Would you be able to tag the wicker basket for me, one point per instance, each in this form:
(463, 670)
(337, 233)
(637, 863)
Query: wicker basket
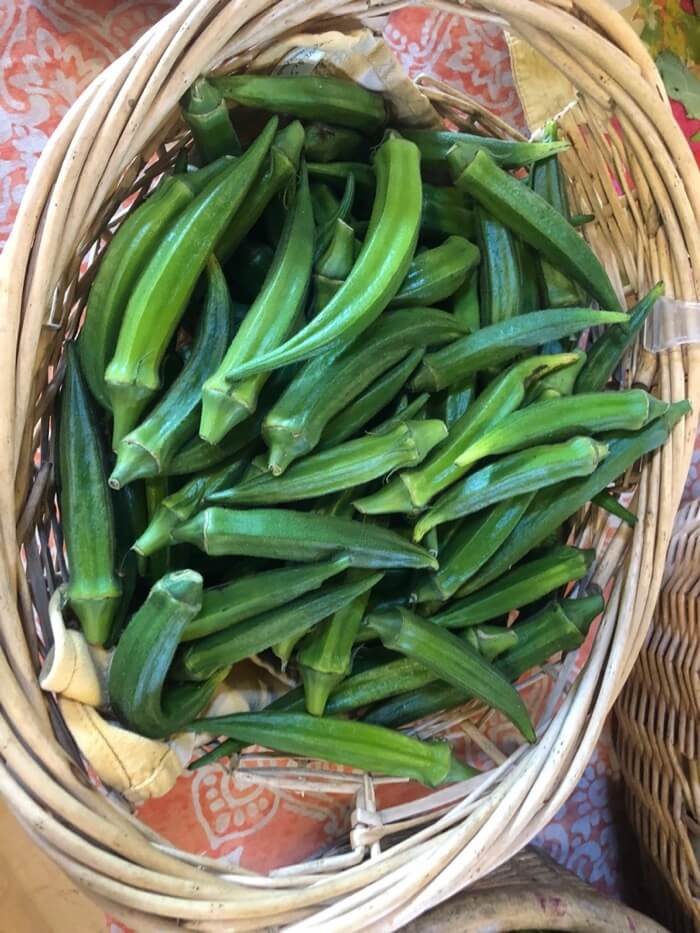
(657, 736)
(93, 161)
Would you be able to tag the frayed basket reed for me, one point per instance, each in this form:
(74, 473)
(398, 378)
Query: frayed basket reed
(111, 144)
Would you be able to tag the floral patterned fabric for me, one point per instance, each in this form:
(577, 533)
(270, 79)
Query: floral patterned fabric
(50, 51)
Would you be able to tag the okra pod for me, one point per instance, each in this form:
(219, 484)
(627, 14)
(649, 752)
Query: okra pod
(295, 423)
(553, 506)
(604, 500)
(355, 744)
(343, 467)
(142, 658)
(499, 343)
(561, 381)
(436, 273)
(378, 683)
(380, 267)
(413, 490)
(536, 222)
(444, 213)
(563, 417)
(491, 641)
(166, 283)
(130, 519)
(501, 272)
(324, 142)
(606, 352)
(335, 265)
(248, 596)
(327, 228)
(202, 658)
(453, 660)
(149, 448)
(307, 97)
(434, 146)
(282, 534)
(86, 509)
(525, 471)
(206, 114)
(336, 173)
(466, 308)
(519, 587)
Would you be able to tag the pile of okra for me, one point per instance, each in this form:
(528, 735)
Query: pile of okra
(329, 402)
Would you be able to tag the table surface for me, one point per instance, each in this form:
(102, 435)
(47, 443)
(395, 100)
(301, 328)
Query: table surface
(49, 52)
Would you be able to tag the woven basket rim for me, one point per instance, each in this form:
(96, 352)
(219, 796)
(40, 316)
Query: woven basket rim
(96, 151)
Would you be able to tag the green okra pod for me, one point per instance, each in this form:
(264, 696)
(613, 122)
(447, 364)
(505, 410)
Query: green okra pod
(606, 352)
(282, 534)
(519, 587)
(413, 490)
(604, 500)
(561, 381)
(86, 509)
(163, 290)
(248, 596)
(521, 472)
(380, 268)
(355, 744)
(378, 683)
(444, 213)
(325, 657)
(267, 323)
(324, 142)
(563, 417)
(501, 272)
(142, 658)
(536, 222)
(491, 641)
(335, 264)
(529, 286)
(149, 448)
(470, 546)
(130, 519)
(202, 658)
(206, 114)
(343, 467)
(336, 173)
(327, 228)
(404, 411)
(434, 146)
(453, 660)
(436, 273)
(551, 507)
(156, 488)
(499, 343)
(307, 97)
(295, 423)
(466, 308)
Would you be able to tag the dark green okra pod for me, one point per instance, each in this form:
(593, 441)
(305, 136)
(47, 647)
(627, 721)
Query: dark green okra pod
(466, 308)
(202, 658)
(206, 114)
(282, 534)
(142, 659)
(355, 744)
(453, 660)
(436, 273)
(149, 448)
(378, 683)
(166, 283)
(307, 97)
(444, 213)
(604, 500)
(501, 273)
(86, 509)
(434, 146)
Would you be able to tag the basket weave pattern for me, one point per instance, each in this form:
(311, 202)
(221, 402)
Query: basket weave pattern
(646, 231)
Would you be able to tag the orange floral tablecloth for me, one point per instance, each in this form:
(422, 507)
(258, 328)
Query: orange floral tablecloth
(49, 51)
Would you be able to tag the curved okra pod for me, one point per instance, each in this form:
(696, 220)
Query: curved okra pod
(563, 417)
(325, 657)
(357, 414)
(166, 283)
(335, 264)
(149, 448)
(267, 323)
(525, 471)
(324, 142)
(444, 213)
(344, 467)
(176, 508)
(470, 546)
(553, 506)
(501, 272)
(307, 97)
(607, 351)
(499, 343)
(380, 268)
(518, 587)
(451, 659)
(434, 146)
(536, 222)
(327, 228)
(86, 509)
(202, 658)
(562, 381)
(294, 424)
(278, 171)
(414, 490)
(336, 173)
(142, 658)
(378, 683)
(206, 114)
(436, 273)
(605, 500)
(355, 744)
(282, 534)
(245, 597)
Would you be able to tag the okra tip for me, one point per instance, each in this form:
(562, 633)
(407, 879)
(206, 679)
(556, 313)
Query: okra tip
(96, 616)
(219, 414)
(318, 686)
(133, 462)
(394, 497)
(459, 771)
